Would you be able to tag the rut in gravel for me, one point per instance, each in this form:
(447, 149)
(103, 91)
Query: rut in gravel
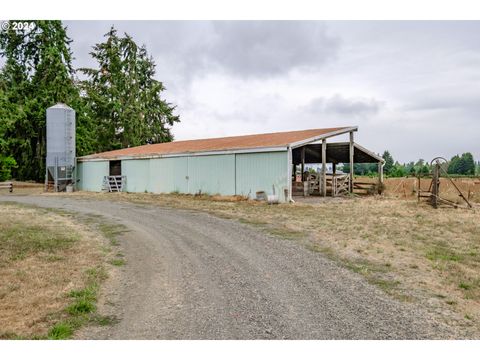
(191, 275)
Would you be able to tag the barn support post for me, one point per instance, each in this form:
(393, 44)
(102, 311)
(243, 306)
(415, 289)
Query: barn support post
(304, 180)
(380, 172)
(303, 162)
(324, 167)
(334, 179)
(380, 177)
(350, 185)
(289, 175)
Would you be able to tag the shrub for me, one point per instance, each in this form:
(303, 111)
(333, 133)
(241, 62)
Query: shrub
(7, 163)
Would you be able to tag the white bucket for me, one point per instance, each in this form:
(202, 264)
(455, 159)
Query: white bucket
(272, 199)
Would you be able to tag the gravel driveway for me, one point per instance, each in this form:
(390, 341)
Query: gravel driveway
(190, 275)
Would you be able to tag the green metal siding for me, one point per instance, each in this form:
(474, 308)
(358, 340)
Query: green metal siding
(168, 175)
(91, 175)
(241, 174)
(262, 172)
(137, 174)
(212, 174)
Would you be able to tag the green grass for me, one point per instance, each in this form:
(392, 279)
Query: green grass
(105, 320)
(84, 300)
(82, 306)
(111, 231)
(252, 221)
(439, 252)
(385, 284)
(83, 309)
(60, 331)
(117, 262)
(20, 240)
(464, 286)
(285, 233)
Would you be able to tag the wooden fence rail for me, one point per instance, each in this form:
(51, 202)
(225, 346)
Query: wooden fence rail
(6, 185)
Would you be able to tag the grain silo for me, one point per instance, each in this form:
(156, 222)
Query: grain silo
(60, 166)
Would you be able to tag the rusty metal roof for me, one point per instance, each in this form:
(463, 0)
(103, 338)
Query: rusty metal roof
(232, 143)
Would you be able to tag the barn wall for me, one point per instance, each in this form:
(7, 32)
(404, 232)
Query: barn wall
(90, 175)
(261, 172)
(232, 174)
(138, 175)
(168, 175)
(212, 174)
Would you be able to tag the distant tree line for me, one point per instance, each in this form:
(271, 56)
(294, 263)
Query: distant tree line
(458, 165)
(118, 103)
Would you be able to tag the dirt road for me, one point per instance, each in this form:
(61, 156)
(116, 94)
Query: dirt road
(194, 276)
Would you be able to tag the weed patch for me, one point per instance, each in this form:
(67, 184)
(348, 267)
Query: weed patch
(118, 262)
(60, 331)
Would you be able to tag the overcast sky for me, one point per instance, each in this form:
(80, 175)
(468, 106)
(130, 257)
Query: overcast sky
(411, 87)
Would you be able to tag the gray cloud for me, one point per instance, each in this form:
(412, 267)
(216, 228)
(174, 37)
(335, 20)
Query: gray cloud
(187, 49)
(263, 48)
(337, 104)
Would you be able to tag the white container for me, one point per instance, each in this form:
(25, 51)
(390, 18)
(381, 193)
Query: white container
(272, 199)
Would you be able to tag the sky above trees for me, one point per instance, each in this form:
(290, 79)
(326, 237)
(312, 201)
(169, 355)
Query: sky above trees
(411, 87)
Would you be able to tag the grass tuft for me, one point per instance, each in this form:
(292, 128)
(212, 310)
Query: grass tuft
(117, 262)
(60, 331)
(82, 306)
(464, 286)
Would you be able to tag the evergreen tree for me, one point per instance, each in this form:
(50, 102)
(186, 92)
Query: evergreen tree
(453, 165)
(123, 96)
(462, 165)
(468, 164)
(7, 162)
(37, 74)
(389, 162)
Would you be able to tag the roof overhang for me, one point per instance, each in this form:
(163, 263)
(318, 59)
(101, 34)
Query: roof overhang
(336, 153)
(323, 136)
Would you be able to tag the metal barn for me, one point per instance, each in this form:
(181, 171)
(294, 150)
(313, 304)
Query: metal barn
(271, 164)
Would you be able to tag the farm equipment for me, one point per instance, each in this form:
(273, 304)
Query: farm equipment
(433, 192)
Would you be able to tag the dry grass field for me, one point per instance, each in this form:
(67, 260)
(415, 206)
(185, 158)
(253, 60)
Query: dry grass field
(408, 249)
(51, 268)
(406, 188)
(411, 251)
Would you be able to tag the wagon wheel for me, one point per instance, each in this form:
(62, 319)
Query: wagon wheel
(442, 162)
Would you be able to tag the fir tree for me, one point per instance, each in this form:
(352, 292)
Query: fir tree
(124, 97)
